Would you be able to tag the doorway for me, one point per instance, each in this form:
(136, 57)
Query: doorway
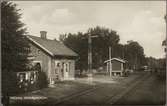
(66, 69)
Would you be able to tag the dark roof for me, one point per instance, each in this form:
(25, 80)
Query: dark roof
(53, 47)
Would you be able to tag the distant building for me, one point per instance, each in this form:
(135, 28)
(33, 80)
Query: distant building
(54, 58)
(117, 66)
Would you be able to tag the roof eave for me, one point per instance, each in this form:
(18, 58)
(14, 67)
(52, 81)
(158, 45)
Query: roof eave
(115, 59)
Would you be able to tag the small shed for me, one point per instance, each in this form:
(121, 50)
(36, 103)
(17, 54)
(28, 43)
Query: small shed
(117, 66)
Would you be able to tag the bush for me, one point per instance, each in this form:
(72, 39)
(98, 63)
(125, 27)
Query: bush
(42, 80)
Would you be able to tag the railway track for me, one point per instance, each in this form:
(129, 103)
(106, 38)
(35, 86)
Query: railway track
(107, 99)
(83, 92)
(116, 97)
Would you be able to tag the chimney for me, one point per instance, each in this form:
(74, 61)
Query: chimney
(43, 34)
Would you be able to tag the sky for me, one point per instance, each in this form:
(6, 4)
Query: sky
(141, 21)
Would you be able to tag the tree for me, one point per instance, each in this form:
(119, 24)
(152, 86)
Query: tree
(164, 41)
(15, 47)
(164, 45)
(135, 54)
(105, 38)
(79, 43)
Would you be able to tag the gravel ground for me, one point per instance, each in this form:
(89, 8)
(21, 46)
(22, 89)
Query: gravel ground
(105, 91)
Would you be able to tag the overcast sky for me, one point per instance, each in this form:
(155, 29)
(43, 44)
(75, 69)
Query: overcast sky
(141, 21)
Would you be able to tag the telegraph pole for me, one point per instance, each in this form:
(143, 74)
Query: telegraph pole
(89, 53)
(110, 67)
(90, 73)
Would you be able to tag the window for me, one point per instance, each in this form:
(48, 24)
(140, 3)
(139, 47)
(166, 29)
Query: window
(37, 66)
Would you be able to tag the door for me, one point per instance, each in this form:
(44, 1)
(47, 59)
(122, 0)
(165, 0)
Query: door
(66, 70)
